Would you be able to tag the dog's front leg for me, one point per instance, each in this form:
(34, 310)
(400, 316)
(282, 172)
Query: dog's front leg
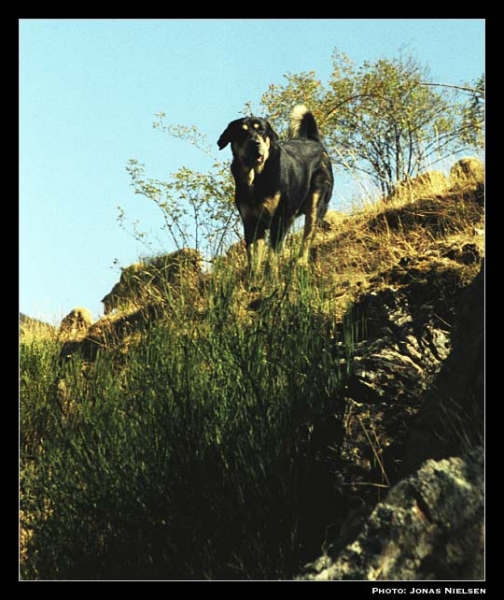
(255, 233)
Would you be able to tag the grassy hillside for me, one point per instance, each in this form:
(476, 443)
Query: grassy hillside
(34, 327)
(174, 439)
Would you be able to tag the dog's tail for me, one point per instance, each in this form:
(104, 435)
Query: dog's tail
(302, 124)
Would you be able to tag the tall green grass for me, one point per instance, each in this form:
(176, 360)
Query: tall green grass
(187, 459)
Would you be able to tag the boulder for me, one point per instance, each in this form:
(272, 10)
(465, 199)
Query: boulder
(429, 527)
(147, 282)
(76, 323)
(467, 170)
(414, 423)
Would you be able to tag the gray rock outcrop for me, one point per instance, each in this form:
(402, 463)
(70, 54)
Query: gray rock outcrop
(429, 527)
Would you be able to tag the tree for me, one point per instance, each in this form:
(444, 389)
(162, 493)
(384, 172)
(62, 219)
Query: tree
(474, 114)
(382, 119)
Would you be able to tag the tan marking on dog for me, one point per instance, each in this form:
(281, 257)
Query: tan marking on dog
(250, 177)
(268, 205)
(265, 148)
(241, 152)
(247, 175)
(256, 125)
(245, 127)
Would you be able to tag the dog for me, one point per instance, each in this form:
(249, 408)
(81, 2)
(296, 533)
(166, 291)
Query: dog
(275, 181)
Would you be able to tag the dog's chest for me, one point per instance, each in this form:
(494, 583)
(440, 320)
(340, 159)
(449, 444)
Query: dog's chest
(256, 196)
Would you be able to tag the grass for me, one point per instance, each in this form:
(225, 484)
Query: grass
(186, 458)
(180, 449)
(360, 249)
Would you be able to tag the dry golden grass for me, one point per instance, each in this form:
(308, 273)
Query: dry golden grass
(428, 183)
(433, 223)
(352, 256)
(32, 329)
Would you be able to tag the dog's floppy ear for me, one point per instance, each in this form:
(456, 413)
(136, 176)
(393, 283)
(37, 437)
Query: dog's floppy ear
(229, 133)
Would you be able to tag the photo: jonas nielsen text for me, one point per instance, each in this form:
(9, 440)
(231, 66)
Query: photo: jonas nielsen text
(446, 591)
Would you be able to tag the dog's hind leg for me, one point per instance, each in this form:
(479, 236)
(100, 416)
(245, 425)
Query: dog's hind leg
(310, 225)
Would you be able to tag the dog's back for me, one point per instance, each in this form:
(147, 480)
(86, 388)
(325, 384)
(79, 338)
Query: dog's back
(305, 141)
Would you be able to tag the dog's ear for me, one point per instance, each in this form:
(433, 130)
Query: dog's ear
(272, 134)
(229, 134)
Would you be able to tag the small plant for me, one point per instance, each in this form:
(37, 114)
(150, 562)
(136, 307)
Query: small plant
(197, 208)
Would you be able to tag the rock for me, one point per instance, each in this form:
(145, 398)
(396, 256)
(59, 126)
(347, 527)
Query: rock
(429, 527)
(401, 332)
(75, 324)
(424, 185)
(451, 418)
(467, 170)
(398, 415)
(405, 331)
(147, 282)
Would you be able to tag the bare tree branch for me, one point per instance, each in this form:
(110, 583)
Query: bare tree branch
(456, 87)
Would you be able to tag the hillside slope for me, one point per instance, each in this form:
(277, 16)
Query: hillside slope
(403, 283)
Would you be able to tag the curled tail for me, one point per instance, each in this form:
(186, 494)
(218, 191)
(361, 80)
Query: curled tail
(302, 124)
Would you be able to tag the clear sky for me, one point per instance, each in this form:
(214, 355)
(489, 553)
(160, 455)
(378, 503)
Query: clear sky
(89, 92)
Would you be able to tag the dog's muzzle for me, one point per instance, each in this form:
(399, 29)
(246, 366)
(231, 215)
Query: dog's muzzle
(255, 153)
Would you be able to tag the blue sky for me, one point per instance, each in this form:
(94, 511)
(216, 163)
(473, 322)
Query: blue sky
(90, 89)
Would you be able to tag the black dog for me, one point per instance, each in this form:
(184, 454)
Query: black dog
(277, 181)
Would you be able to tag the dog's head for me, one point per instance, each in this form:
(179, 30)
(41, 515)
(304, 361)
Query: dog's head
(252, 140)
